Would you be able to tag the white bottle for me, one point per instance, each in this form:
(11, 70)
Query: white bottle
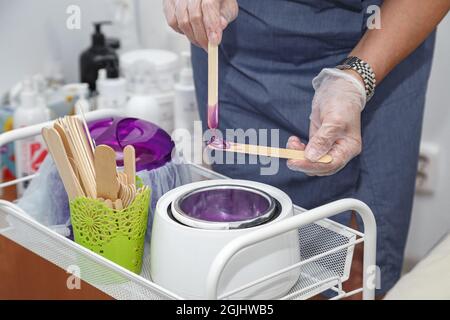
(112, 91)
(186, 111)
(143, 106)
(185, 107)
(126, 25)
(30, 152)
(83, 94)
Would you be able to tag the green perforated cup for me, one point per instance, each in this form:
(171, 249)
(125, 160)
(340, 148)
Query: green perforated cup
(117, 235)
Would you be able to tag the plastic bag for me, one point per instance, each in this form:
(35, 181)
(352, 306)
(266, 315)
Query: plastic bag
(162, 180)
(46, 200)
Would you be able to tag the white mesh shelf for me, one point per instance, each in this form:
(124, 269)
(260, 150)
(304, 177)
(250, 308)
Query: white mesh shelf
(316, 276)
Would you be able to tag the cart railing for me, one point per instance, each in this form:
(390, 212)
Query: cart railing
(23, 217)
(34, 130)
(295, 222)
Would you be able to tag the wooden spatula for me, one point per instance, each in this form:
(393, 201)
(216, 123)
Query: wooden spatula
(129, 162)
(213, 86)
(109, 204)
(125, 194)
(56, 147)
(118, 204)
(105, 173)
(270, 152)
(84, 138)
(63, 135)
(82, 160)
(80, 108)
(122, 177)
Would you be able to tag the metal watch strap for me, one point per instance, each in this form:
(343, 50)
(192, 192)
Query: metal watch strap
(364, 70)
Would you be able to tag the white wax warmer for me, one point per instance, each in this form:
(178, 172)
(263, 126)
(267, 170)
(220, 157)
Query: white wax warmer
(194, 222)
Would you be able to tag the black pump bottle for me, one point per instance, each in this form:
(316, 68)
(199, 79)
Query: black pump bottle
(98, 56)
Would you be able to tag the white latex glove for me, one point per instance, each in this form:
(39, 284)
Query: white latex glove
(335, 127)
(201, 20)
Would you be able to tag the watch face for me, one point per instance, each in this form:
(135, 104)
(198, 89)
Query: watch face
(354, 63)
(343, 67)
(352, 60)
(344, 62)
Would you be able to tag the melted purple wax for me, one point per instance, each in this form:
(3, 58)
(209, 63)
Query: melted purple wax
(217, 142)
(224, 205)
(213, 116)
(213, 123)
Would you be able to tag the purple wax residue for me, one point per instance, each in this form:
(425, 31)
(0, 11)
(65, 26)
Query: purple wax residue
(225, 205)
(213, 116)
(213, 123)
(217, 142)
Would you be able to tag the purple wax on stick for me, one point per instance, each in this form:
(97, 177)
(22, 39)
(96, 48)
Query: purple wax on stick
(213, 116)
(213, 123)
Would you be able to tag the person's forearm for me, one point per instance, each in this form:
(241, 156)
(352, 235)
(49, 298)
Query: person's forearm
(405, 24)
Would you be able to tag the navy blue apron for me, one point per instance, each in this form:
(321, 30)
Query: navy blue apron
(268, 59)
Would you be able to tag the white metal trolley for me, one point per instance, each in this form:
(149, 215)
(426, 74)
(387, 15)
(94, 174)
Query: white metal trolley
(326, 247)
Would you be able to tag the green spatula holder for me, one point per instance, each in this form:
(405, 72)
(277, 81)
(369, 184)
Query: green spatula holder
(117, 235)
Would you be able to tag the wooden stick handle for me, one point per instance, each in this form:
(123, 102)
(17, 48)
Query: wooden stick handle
(273, 152)
(57, 150)
(129, 163)
(213, 75)
(105, 173)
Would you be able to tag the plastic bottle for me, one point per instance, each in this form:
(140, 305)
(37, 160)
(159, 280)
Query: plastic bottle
(30, 152)
(143, 106)
(154, 71)
(125, 24)
(96, 57)
(185, 107)
(112, 89)
(185, 111)
(83, 95)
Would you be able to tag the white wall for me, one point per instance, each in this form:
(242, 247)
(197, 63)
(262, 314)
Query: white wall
(154, 30)
(431, 214)
(34, 35)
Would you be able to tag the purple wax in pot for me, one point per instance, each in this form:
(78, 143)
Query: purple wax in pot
(225, 205)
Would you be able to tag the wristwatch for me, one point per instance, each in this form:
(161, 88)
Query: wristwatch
(364, 70)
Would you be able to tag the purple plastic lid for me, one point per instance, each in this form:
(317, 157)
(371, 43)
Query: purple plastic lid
(227, 204)
(152, 144)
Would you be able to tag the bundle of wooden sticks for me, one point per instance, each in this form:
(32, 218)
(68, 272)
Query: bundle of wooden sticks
(89, 171)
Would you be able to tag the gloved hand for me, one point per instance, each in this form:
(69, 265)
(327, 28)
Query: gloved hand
(201, 20)
(335, 126)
